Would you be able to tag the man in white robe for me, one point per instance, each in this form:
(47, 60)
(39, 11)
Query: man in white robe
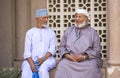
(40, 44)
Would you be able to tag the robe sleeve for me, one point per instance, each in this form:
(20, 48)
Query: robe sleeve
(62, 47)
(28, 46)
(52, 44)
(94, 51)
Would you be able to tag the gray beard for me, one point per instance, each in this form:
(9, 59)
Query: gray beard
(44, 25)
(81, 25)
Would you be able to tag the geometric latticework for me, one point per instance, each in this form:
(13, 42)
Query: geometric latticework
(61, 15)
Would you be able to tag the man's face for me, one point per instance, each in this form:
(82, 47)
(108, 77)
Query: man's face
(80, 18)
(42, 19)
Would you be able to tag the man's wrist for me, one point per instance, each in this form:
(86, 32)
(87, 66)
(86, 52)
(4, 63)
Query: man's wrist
(66, 55)
(84, 57)
(43, 59)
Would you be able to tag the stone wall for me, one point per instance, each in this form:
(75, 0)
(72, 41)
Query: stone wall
(7, 32)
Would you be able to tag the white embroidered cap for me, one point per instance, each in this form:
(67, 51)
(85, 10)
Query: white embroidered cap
(83, 11)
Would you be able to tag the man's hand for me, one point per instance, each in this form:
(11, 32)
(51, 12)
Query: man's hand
(41, 60)
(78, 58)
(34, 69)
(32, 66)
(70, 57)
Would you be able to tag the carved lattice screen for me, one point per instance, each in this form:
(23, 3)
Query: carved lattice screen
(62, 15)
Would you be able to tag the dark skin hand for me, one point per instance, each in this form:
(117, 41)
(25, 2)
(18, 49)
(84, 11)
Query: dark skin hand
(31, 62)
(40, 60)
